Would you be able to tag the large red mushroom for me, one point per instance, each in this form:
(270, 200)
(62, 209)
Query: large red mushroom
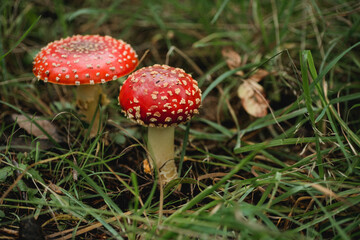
(85, 61)
(160, 97)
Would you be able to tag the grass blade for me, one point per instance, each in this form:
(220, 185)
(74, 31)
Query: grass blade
(21, 38)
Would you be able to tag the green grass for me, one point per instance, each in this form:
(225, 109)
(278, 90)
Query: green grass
(293, 174)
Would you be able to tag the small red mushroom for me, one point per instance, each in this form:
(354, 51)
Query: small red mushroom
(160, 97)
(85, 61)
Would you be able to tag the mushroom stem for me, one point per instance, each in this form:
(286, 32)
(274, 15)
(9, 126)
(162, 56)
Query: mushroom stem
(87, 99)
(161, 148)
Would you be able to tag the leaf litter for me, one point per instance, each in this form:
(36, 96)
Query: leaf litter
(30, 127)
(251, 93)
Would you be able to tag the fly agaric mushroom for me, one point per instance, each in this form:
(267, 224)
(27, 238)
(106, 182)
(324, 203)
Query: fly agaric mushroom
(160, 97)
(85, 61)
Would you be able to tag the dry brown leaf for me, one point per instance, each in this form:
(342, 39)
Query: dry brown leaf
(232, 58)
(252, 94)
(245, 90)
(260, 74)
(31, 128)
(253, 98)
(55, 188)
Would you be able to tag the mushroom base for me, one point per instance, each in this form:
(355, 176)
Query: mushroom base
(161, 149)
(87, 100)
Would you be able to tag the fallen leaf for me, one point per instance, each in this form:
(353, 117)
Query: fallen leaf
(253, 98)
(245, 90)
(232, 58)
(55, 188)
(31, 128)
(252, 94)
(260, 74)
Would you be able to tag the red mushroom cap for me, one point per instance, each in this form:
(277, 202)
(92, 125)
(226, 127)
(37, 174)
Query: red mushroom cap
(86, 59)
(160, 96)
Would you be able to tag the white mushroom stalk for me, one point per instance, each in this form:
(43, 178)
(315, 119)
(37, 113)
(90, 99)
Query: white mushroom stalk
(161, 149)
(88, 98)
